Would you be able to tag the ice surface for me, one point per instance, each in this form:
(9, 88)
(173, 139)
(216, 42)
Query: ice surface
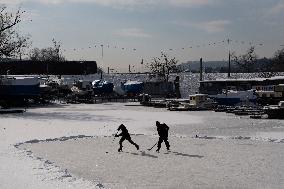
(224, 154)
(192, 163)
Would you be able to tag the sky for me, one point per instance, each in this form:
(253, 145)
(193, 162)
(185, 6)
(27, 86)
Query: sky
(119, 33)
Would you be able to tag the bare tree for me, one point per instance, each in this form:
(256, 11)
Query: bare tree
(163, 65)
(246, 62)
(266, 69)
(272, 66)
(278, 60)
(11, 42)
(48, 54)
(8, 20)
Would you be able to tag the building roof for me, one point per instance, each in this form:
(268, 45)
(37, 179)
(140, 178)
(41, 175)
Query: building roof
(242, 79)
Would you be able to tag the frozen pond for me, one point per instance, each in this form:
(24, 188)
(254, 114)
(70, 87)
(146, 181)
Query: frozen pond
(248, 151)
(226, 125)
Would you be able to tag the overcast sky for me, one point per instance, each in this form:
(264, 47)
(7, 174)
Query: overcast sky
(132, 30)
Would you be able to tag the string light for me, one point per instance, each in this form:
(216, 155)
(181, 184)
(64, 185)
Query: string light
(209, 44)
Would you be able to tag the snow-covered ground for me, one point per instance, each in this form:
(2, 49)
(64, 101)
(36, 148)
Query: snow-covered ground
(71, 146)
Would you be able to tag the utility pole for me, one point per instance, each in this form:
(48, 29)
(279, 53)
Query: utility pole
(102, 51)
(142, 61)
(200, 76)
(229, 66)
(102, 61)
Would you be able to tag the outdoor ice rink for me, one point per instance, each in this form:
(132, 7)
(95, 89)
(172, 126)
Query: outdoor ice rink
(71, 146)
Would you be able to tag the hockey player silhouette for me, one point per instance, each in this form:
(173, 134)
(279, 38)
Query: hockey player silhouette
(163, 131)
(124, 136)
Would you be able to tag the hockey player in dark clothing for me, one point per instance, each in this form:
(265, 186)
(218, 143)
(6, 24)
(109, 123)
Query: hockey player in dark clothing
(163, 130)
(125, 136)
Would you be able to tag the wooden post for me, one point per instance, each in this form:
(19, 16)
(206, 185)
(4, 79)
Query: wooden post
(201, 77)
(229, 66)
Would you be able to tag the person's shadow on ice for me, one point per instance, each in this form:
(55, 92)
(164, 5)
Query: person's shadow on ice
(184, 155)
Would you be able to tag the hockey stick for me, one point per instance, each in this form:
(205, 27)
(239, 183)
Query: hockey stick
(114, 136)
(153, 146)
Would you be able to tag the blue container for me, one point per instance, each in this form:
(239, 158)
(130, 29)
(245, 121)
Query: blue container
(102, 87)
(133, 87)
